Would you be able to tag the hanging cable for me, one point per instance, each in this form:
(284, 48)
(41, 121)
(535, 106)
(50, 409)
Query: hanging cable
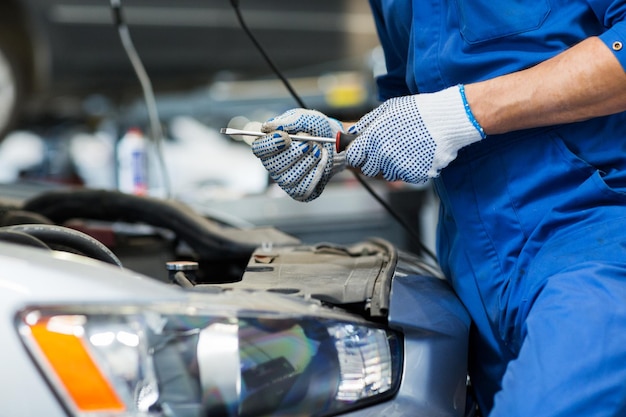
(259, 47)
(148, 91)
(409, 230)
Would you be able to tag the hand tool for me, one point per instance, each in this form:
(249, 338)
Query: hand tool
(341, 141)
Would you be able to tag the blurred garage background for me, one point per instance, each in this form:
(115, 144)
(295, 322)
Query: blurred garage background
(68, 93)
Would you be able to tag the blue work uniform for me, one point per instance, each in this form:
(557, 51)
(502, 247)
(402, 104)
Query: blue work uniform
(532, 226)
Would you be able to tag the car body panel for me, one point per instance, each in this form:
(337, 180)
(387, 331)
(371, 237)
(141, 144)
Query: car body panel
(433, 321)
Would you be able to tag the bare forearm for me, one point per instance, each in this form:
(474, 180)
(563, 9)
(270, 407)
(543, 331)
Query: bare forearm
(584, 82)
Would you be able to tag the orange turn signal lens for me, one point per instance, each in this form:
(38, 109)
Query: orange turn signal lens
(72, 363)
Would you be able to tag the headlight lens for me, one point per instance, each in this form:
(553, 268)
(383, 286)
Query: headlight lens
(160, 361)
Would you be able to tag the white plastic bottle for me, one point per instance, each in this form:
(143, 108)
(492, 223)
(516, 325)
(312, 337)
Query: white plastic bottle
(132, 163)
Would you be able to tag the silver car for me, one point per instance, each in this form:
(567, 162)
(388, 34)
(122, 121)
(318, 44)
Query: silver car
(315, 330)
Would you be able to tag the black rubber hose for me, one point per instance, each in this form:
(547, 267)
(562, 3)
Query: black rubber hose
(201, 234)
(59, 236)
(21, 238)
(10, 216)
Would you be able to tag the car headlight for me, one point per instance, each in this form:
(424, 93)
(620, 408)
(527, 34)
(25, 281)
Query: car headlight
(179, 361)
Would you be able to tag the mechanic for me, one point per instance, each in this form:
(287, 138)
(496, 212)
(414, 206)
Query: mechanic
(516, 109)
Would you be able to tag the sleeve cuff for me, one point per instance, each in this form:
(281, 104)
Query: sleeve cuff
(615, 40)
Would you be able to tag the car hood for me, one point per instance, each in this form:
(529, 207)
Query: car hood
(32, 276)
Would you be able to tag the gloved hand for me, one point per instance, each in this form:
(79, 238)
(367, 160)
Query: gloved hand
(302, 169)
(413, 138)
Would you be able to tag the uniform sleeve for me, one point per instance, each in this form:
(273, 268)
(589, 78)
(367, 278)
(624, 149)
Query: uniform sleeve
(391, 83)
(615, 39)
(612, 13)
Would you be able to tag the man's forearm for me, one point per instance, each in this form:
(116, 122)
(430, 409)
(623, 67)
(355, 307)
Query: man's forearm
(583, 82)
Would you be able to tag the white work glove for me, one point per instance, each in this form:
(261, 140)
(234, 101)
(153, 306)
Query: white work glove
(301, 168)
(413, 138)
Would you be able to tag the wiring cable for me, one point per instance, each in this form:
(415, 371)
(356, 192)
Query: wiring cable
(148, 91)
(408, 229)
(259, 47)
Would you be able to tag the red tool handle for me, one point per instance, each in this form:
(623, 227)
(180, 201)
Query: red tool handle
(343, 140)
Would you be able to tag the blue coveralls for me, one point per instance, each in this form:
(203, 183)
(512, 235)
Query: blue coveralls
(532, 227)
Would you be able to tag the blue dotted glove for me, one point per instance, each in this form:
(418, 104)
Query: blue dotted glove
(302, 169)
(413, 138)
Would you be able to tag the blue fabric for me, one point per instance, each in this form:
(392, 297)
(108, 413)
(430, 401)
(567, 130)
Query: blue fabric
(515, 215)
(430, 45)
(615, 39)
(532, 228)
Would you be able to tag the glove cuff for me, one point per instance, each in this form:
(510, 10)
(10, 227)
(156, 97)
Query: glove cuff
(449, 120)
(468, 112)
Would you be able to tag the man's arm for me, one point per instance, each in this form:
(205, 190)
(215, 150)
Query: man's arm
(583, 82)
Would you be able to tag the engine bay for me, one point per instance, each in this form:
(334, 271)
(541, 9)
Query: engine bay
(171, 242)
